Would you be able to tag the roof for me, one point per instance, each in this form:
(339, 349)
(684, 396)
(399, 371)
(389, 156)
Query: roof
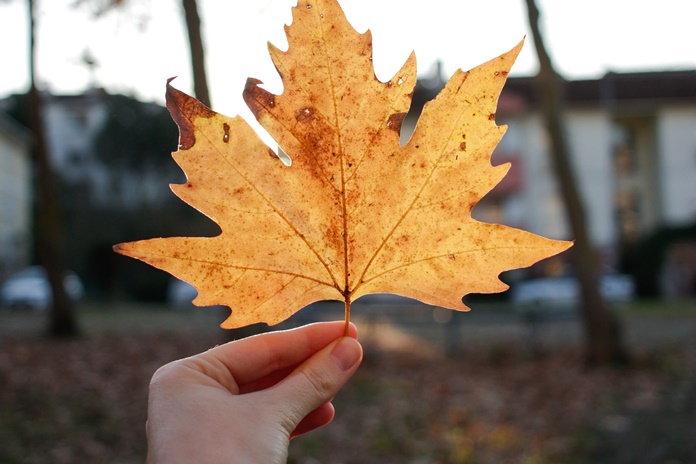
(647, 88)
(618, 90)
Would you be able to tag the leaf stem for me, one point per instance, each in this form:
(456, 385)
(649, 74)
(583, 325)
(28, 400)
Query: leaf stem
(345, 330)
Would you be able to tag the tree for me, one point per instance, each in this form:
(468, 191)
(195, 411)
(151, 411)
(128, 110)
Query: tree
(193, 26)
(48, 228)
(603, 340)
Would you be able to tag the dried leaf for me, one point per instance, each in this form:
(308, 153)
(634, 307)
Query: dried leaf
(356, 213)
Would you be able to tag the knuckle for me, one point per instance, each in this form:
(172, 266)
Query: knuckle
(165, 375)
(318, 381)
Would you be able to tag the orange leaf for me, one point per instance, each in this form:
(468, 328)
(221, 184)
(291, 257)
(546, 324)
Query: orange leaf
(356, 213)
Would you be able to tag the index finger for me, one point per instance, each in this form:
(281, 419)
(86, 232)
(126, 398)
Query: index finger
(256, 357)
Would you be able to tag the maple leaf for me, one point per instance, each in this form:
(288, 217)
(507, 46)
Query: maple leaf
(355, 213)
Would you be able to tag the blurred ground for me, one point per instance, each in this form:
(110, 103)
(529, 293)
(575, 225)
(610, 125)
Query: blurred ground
(483, 388)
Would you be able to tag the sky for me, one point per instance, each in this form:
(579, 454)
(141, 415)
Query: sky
(139, 48)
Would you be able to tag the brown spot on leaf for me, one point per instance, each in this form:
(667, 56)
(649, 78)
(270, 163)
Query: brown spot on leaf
(306, 114)
(256, 98)
(334, 235)
(491, 117)
(462, 146)
(184, 110)
(395, 121)
(226, 136)
(451, 256)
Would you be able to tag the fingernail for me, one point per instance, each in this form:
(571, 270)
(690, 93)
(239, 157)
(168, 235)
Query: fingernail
(346, 353)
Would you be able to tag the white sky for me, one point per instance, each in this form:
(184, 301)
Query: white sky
(139, 48)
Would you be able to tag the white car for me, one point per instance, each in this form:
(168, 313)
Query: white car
(30, 289)
(616, 288)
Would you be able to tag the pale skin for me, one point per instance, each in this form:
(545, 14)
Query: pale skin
(244, 401)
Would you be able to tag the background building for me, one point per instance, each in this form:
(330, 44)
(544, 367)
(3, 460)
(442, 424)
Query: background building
(15, 196)
(632, 141)
(111, 154)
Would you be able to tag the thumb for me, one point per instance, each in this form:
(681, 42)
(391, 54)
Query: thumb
(316, 381)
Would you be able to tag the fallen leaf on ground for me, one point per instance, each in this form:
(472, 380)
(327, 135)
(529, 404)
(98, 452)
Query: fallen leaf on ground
(356, 212)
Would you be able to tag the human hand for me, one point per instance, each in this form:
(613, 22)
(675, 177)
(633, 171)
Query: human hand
(242, 402)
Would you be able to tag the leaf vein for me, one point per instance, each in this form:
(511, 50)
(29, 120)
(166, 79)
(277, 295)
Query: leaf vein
(448, 255)
(277, 211)
(411, 205)
(246, 268)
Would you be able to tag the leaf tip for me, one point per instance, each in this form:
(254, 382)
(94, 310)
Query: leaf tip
(184, 109)
(257, 99)
(557, 247)
(124, 249)
(515, 51)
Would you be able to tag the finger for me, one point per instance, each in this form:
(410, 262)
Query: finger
(274, 377)
(314, 382)
(256, 357)
(315, 419)
(267, 381)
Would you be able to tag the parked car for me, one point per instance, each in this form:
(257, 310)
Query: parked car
(30, 289)
(565, 291)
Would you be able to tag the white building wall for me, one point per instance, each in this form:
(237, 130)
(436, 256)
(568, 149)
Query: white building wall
(71, 125)
(540, 202)
(538, 206)
(540, 198)
(590, 142)
(676, 148)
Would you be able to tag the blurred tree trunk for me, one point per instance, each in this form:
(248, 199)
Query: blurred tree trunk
(193, 26)
(49, 232)
(603, 338)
